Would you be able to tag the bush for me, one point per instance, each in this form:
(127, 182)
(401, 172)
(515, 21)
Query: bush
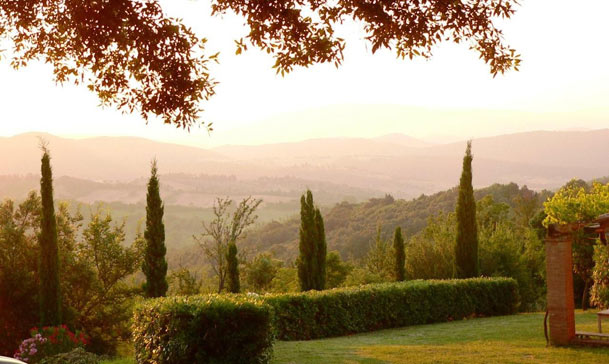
(600, 289)
(76, 356)
(49, 341)
(203, 329)
(318, 314)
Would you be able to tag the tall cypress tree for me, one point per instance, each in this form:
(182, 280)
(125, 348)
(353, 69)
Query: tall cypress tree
(466, 247)
(400, 256)
(154, 265)
(312, 246)
(320, 241)
(306, 244)
(50, 294)
(233, 268)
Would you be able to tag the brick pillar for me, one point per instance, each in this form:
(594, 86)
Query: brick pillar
(559, 275)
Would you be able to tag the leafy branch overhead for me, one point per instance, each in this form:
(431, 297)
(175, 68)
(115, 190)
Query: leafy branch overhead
(136, 58)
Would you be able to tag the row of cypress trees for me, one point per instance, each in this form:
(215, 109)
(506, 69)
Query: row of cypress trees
(154, 265)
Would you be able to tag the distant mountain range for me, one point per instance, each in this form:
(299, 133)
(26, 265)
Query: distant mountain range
(116, 168)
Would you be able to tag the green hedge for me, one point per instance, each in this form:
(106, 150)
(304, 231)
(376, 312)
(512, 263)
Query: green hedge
(318, 314)
(240, 328)
(203, 329)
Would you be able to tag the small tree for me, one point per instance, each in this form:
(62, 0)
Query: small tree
(155, 265)
(50, 293)
(19, 264)
(399, 254)
(223, 229)
(466, 247)
(102, 297)
(380, 258)
(261, 271)
(233, 268)
(183, 282)
(312, 246)
(431, 252)
(336, 270)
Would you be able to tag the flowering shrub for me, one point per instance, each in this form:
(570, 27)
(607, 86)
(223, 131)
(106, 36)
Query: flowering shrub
(48, 341)
(29, 350)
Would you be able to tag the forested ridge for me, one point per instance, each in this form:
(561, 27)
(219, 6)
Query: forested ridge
(351, 227)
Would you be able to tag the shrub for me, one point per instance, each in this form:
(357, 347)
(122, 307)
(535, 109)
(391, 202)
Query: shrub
(310, 315)
(49, 341)
(203, 329)
(600, 289)
(76, 356)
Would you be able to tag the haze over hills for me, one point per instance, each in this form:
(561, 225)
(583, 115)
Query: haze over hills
(324, 149)
(432, 123)
(116, 168)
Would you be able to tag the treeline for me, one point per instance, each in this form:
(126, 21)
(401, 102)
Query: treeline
(350, 227)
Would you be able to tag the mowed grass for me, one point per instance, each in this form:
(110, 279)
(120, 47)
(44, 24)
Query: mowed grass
(505, 339)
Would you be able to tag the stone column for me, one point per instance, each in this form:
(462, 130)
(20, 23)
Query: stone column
(559, 275)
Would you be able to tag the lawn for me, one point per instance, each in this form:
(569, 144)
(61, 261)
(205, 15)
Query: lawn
(506, 339)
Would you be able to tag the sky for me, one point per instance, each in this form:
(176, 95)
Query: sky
(563, 84)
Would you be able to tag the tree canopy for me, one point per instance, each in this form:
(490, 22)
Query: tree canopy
(136, 58)
(577, 203)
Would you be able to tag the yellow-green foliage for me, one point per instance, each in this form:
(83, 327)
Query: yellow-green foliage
(575, 203)
(309, 315)
(203, 329)
(600, 289)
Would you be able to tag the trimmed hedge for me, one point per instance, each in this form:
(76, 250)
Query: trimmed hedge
(203, 329)
(337, 312)
(241, 328)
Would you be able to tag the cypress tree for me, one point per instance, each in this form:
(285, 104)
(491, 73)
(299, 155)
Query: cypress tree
(306, 247)
(154, 265)
(466, 247)
(233, 268)
(400, 257)
(312, 246)
(50, 294)
(320, 241)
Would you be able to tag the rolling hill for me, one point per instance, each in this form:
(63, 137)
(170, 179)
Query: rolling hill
(347, 167)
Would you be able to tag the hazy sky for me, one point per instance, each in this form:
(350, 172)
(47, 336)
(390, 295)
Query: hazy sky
(563, 83)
